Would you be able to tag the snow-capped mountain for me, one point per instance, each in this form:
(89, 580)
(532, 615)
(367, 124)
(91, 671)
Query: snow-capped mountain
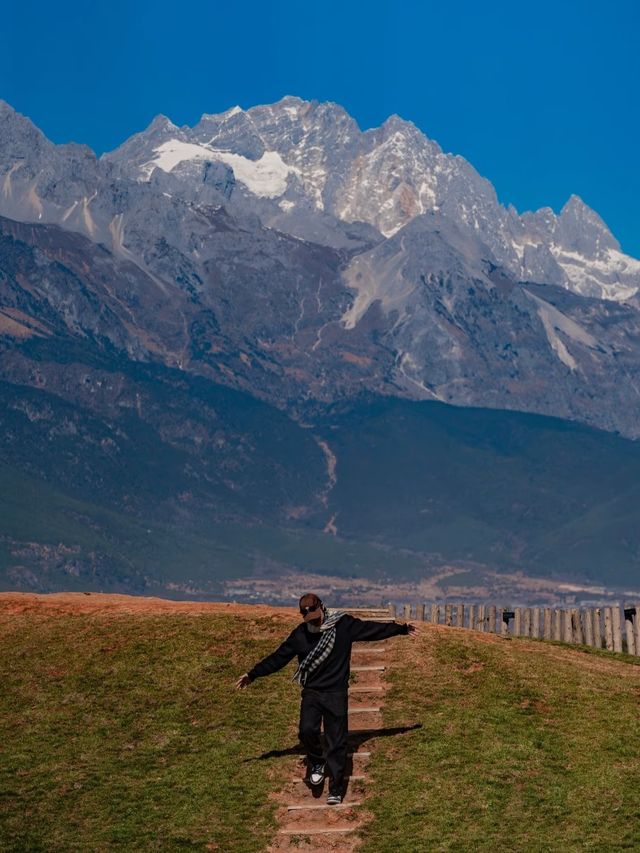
(303, 155)
(283, 251)
(295, 161)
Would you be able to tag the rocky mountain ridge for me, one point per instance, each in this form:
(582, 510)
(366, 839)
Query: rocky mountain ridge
(282, 251)
(304, 154)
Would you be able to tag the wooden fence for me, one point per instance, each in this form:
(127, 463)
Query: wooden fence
(615, 627)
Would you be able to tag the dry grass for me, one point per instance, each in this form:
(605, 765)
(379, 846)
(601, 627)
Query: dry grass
(119, 729)
(123, 730)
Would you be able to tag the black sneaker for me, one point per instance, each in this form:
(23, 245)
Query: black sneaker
(334, 798)
(316, 774)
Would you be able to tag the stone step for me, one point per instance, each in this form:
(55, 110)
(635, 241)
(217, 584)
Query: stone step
(357, 703)
(365, 710)
(370, 678)
(314, 830)
(365, 722)
(320, 817)
(373, 688)
(379, 668)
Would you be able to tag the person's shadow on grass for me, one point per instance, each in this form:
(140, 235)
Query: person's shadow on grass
(356, 740)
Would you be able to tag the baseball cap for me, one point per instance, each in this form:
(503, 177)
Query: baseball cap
(310, 607)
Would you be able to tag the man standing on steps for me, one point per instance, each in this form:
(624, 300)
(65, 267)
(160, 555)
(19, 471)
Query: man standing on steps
(323, 643)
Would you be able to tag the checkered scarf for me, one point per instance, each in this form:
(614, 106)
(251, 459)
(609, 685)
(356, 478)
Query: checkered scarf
(322, 649)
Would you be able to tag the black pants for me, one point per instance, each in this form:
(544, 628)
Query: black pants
(332, 709)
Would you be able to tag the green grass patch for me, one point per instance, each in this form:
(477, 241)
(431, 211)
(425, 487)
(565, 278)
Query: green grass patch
(125, 732)
(519, 750)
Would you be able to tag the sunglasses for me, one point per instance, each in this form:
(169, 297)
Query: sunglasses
(307, 610)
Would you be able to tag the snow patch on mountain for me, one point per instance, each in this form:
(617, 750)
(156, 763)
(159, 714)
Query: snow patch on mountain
(601, 277)
(266, 177)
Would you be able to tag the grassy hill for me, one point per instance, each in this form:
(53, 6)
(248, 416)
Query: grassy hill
(120, 730)
(123, 731)
(525, 745)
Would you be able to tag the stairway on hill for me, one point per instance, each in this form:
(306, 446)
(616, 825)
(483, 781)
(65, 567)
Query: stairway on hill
(305, 821)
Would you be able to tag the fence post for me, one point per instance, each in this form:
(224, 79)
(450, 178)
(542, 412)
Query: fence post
(447, 614)
(568, 629)
(557, 624)
(527, 622)
(406, 612)
(392, 610)
(587, 622)
(629, 613)
(547, 623)
(535, 623)
(517, 622)
(481, 617)
(504, 622)
(435, 614)
(420, 612)
(578, 636)
(617, 628)
(492, 619)
(460, 621)
(472, 616)
(608, 629)
(636, 620)
(597, 628)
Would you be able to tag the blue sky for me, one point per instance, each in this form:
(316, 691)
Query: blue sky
(541, 98)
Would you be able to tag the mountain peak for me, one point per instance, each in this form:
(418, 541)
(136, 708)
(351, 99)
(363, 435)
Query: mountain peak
(574, 203)
(161, 122)
(18, 130)
(396, 122)
(10, 113)
(326, 109)
(291, 101)
(583, 230)
(412, 137)
(217, 117)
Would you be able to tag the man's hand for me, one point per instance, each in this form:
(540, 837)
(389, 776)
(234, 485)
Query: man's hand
(243, 681)
(411, 629)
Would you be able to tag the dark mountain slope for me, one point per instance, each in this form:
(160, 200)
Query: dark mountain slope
(502, 488)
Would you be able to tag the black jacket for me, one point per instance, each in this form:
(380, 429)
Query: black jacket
(333, 674)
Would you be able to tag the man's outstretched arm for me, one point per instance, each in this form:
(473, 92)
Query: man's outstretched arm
(363, 631)
(272, 663)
